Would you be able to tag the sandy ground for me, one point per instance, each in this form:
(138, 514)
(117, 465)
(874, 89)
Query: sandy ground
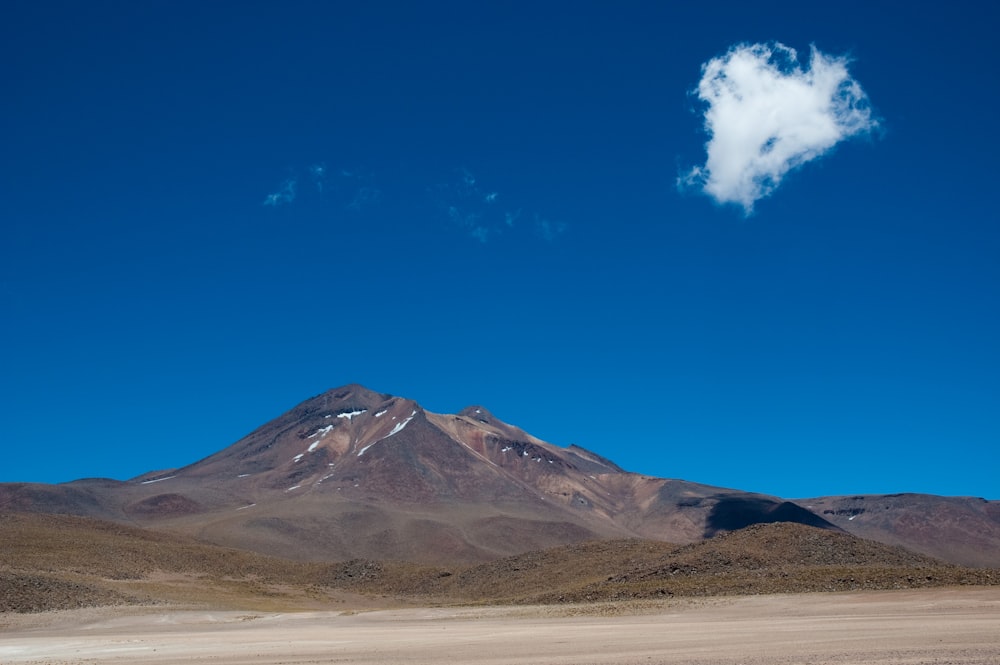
(907, 627)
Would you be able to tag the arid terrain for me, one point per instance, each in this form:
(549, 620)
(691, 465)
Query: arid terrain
(359, 528)
(944, 625)
(51, 562)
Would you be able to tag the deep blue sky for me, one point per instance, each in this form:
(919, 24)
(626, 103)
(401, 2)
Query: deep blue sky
(841, 339)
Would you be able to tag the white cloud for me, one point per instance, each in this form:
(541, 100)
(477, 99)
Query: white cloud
(766, 115)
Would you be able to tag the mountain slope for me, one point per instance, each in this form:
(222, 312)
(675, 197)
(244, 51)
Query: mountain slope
(963, 530)
(64, 562)
(355, 473)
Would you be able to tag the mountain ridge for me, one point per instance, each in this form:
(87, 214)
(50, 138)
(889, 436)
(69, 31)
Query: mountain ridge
(354, 473)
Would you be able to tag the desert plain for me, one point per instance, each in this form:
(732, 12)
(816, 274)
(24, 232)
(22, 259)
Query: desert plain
(940, 625)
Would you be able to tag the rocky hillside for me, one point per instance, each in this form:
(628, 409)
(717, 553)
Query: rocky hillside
(63, 562)
(352, 473)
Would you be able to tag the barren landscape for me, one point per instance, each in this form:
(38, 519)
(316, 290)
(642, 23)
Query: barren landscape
(356, 474)
(358, 528)
(945, 625)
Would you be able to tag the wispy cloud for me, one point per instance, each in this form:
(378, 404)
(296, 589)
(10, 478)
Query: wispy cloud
(364, 197)
(347, 189)
(471, 221)
(286, 194)
(318, 174)
(767, 115)
(484, 213)
(471, 207)
(549, 229)
(479, 211)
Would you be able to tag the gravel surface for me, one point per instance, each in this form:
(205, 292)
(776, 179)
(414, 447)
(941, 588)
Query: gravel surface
(948, 625)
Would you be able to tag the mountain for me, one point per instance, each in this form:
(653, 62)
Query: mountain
(353, 473)
(963, 530)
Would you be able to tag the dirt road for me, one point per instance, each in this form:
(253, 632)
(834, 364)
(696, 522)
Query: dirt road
(906, 627)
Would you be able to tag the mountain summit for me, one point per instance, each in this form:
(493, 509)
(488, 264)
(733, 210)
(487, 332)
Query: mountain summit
(355, 473)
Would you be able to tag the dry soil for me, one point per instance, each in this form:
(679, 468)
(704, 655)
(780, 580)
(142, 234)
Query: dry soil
(944, 625)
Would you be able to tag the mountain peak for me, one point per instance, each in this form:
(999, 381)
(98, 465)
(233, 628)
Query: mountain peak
(354, 392)
(479, 413)
(345, 399)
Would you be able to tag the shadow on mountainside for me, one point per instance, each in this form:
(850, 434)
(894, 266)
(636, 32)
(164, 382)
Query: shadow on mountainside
(733, 513)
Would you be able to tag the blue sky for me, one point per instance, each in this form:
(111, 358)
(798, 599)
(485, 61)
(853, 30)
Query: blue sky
(210, 212)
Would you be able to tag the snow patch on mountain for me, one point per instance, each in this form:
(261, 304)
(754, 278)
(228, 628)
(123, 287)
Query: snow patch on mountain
(321, 432)
(395, 430)
(399, 426)
(157, 480)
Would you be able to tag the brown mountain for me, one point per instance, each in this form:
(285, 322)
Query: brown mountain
(963, 530)
(353, 473)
